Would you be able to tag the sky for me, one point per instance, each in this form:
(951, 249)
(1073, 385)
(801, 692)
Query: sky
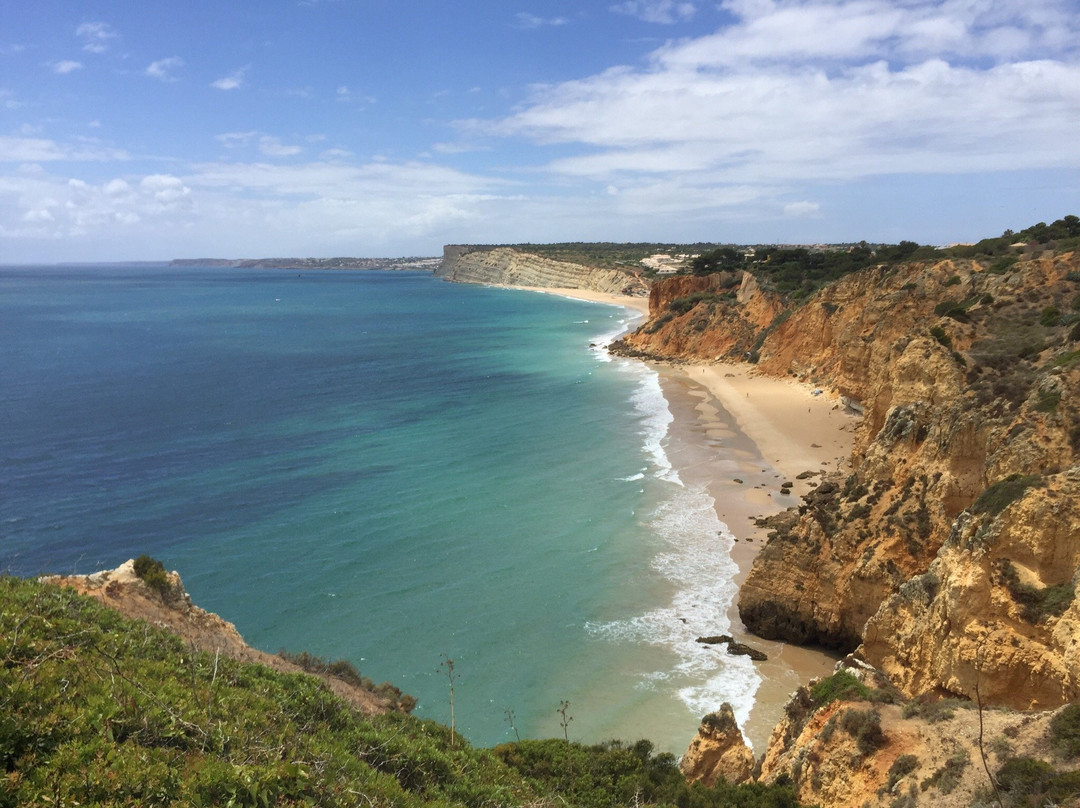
(257, 128)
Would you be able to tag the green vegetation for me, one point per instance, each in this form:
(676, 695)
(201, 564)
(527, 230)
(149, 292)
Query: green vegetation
(845, 686)
(1048, 401)
(841, 686)
(99, 710)
(1003, 493)
(902, 766)
(948, 776)
(347, 672)
(681, 305)
(614, 774)
(1065, 731)
(865, 727)
(1037, 604)
(933, 710)
(938, 333)
(152, 572)
(1031, 782)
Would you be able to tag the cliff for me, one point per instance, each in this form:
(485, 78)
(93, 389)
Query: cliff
(948, 559)
(506, 266)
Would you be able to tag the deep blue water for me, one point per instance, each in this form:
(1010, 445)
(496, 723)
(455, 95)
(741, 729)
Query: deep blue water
(376, 466)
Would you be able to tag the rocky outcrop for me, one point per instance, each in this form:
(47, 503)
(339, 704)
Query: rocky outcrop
(850, 740)
(711, 316)
(951, 407)
(718, 751)
(170, 607)
(994, 616)
(507, 266)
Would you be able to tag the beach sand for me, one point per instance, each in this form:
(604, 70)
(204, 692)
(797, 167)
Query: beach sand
(742, 435)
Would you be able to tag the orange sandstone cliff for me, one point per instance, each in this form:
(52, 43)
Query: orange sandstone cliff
(947, 560)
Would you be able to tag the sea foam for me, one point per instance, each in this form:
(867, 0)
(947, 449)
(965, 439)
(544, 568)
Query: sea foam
(694, 558)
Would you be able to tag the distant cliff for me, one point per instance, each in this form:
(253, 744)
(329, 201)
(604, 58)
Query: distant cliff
(507, 266)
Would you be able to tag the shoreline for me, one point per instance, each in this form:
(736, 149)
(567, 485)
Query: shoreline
(751, 434)
(771, 430)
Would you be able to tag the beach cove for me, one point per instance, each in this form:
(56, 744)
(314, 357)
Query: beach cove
(743, 435)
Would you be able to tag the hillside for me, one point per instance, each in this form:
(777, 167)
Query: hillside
(98, 709)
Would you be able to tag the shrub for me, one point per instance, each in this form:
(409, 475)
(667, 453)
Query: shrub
(950, 308)
(953, 281)
(865, 727)
(1065, 731)
(938, 333)
(841, 686)
(1050, 316)
(1036, 604)
(1048, 401)
(902, 766)
(948, 776)
(152, 573)
(1003, 493)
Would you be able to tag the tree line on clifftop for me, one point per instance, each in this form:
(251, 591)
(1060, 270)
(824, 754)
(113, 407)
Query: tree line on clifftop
(800, 271)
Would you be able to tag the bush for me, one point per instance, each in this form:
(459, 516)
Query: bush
(953, 309)
(948, 776)
(1003, 493)
(1065, 731)
(1050, 317)
(902, 766)
(865, 727)
(152, 573)
(938, 333)
(841, 686)
(1048, 401)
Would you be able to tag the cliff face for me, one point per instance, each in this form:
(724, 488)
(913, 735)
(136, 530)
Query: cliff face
(966, 377)
(509, 267)
(711, 316)
(862, 746)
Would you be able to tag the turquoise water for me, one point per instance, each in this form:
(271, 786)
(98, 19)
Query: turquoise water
(377, 466)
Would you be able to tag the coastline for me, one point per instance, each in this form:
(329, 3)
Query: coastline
(742, 435)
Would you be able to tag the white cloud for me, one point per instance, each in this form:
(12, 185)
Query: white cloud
(273, 147)
(233, 81)
(96, 36)
(32, 150)
(802, 210)
(658, 11)
(524, 19)
(162, 69)
(232, 140)
(798, 90)
(65, 67)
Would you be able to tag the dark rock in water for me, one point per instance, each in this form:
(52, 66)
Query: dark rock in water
(715, 640)
(736, 648)
(740, 649)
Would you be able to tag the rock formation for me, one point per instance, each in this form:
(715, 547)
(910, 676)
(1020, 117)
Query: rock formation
(509, 267)
(718, 751)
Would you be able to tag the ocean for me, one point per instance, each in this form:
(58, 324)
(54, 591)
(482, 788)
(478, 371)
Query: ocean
(382, 467)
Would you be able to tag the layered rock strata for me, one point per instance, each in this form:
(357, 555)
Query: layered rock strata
(506, 266)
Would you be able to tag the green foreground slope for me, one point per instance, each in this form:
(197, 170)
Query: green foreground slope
(99, 710)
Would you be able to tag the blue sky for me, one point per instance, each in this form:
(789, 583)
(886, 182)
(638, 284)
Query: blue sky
(236, 128)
